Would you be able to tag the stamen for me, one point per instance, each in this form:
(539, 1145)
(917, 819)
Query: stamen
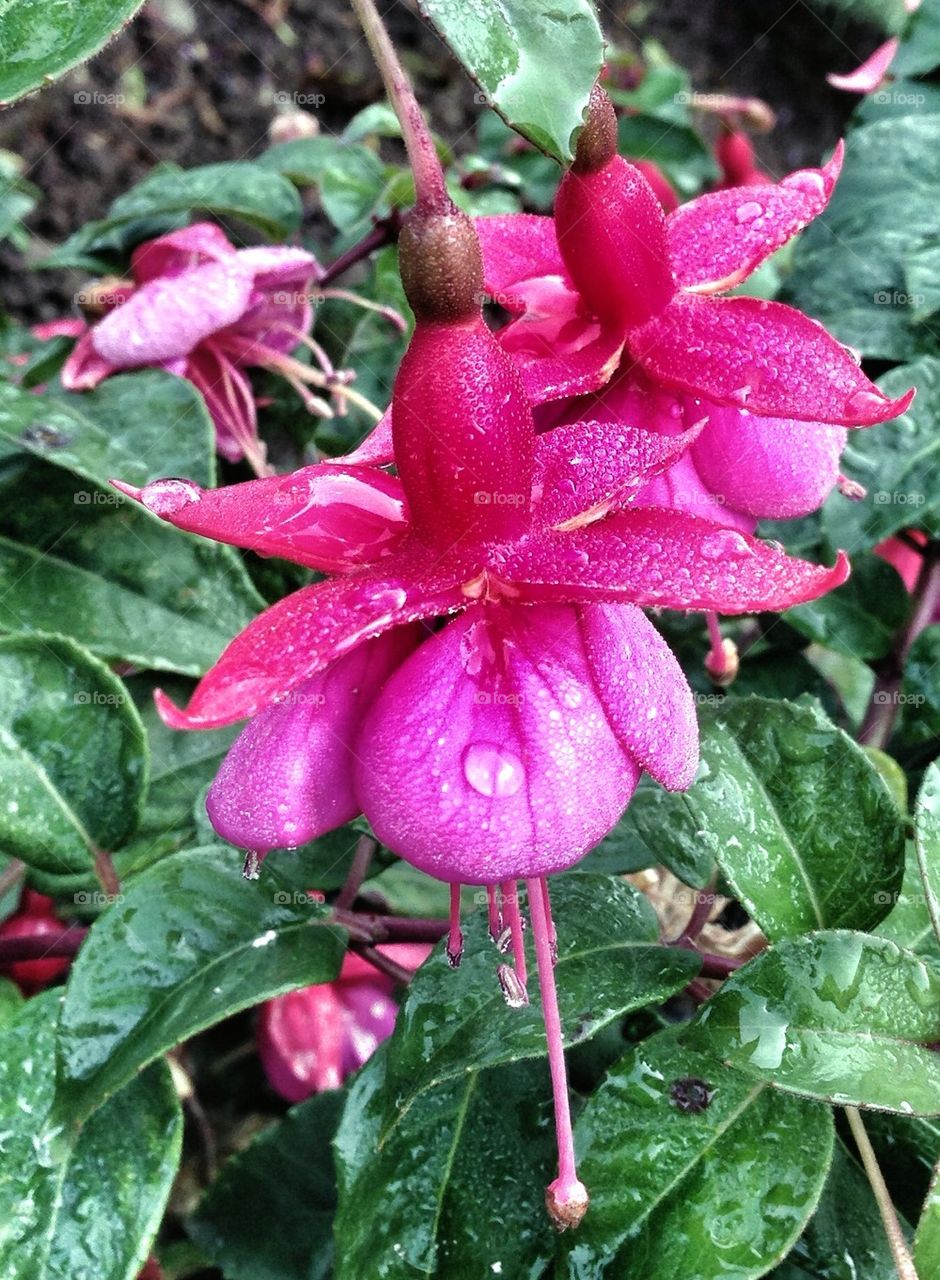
(493, 906)
(514, 917)
(566, 1198)
(344, 295)
(722, 661)
(455, 936)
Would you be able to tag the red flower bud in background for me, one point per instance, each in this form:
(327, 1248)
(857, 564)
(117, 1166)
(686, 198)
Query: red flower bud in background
(34, 918)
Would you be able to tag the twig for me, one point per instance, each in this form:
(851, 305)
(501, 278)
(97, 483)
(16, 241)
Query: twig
(107, 876)
(384, 232)
(370, 929)
(358, 870)
(397, 972)
(903, 1261)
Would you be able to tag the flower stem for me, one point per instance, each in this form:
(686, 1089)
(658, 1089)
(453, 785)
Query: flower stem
(106, 874)
(454, 934)
(903, 1261)
(430, 188)
(566, 1198)
(883, 708)
(384, 232)
(494, 912)
(358, 870)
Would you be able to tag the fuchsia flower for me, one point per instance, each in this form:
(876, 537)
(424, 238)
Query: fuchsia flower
(35, 918)
(734, 153)
(312, 1039)
(617, 321)
(201, 308)
(504, 743)
(870, 74)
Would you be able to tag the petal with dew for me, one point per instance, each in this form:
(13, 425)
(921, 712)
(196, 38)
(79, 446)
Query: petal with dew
(867, 77)
(517, 247)
(488, 755)
(377, 449)
(646, 696)
(306, 631)
(84, 368)
(276, 266)
(327, 517)
(653, 557)
(170, 316)
(717, 240)
(288, 777)
(179, 251)
(763, 356)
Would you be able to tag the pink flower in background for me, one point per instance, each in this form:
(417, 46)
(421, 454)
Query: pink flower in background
(200, 308)
(870, 75)
(734, 152)
(35, 918)
(617, 321)
(312, 1039)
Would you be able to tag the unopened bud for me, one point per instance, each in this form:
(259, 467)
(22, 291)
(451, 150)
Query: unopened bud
(441, 264)
(100, 296)
(597, 141)
(567, 1203)
(722, 667)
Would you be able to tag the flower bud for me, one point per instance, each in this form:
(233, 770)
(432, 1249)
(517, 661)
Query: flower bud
(441, 264)
(597, 141)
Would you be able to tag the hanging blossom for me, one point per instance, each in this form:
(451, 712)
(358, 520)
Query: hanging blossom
(312, 1039)
(504, 743)
(35, 918)
(200, 308)
(617, 320)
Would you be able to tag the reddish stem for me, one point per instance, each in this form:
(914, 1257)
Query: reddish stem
(514, 918)
(454, 934)
(384, 232)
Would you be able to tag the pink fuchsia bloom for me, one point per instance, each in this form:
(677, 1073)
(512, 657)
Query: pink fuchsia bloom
(869, 75)
(615, 301)
(35, 918)
(662, 188)
(508, 742)
(200, 308)
(312, 1039)
(734, 153)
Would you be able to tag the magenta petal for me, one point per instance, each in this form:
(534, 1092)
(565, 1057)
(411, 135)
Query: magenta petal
(649, 557)
(762, 356)
(300, 1039)
(377, 449)
(517, 247)
(85, 368)
(770, 468)
(488, 755)
(717, 240)
(645, 694)
(683, 489)
(277, 266)
(303, 633)
(288, 777)
(327, 517)
(867, 77)
(169, 316)
(587, 467)
(369, 1014)
(229, 399)
(179, 251)
(558, 349)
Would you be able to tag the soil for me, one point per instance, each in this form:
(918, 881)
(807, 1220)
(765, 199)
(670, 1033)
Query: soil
(195, 81)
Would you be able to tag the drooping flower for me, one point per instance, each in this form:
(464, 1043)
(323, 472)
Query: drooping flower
(312, 1039)
(869, 75)
(200, 308)
(734, 153)
(616, 320)
(35, 918)
(508, 742)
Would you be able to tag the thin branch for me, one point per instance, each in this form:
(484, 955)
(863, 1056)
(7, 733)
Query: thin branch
(903, 1261)
(384, 232)
(358, 870)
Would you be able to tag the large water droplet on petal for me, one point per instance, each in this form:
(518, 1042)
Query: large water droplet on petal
(390, 598)
(726, 544)
(492, 770)
(862, 403)
(749, 212)
(477, 651)
(166, 497)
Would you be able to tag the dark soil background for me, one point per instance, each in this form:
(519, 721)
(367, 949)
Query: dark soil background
(202, 80)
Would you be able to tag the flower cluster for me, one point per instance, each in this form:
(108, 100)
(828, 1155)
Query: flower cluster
(475, 672)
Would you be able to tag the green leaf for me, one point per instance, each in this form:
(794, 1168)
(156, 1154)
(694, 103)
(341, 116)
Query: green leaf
(72, 754)
(609, 962)
(123, 584)
(888, 15)
(927, 1239)
(843, 1017)
(846, 1238)
(189, 943)
(851, 266)
(168, 197)
(920, 49)
(41, 41)
(668, 828)
(686, 1193)
(10, 1000)
(927, 842)
(134, 427)
(919, 696)
(909, 923)
(79, 1203)
(675, 147)
(897, 465)
(457, 1191)
(797, 817)
(519, 52)
(351, 179)
(860, 618)
(287, 1178)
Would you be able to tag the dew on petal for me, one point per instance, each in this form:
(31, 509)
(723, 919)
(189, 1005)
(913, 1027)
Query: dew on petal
(166, 497)
(749, 212)
(492, 770)
(726, 544)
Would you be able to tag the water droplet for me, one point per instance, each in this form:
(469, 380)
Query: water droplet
(492, 770)
(476, 649)
(390, 598)
(166, 497)
(749, 212)
(726, 544)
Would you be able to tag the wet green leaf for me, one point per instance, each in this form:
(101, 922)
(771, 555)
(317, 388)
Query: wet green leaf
(134, 427)
(909, 923)
(927, 1239)
(287, 1178)
(457, 1190)
(919, 696)
(800, 822)
(126, 586)
(79, 1204)
(844, 1017)
(188, 943)
(609, 962)
(927, 842)
(519, 52)
(41, 41)
(689, 1192)
(860, 618)
(72, 754)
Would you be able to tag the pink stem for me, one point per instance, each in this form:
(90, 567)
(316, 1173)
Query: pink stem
(552, 935)
(717, 655)
(511, 904)
(566, 1198)
(492, 904)
(454, 936)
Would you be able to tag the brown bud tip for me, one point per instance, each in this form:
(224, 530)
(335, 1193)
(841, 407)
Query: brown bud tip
(597, 141)
(722, 668)
(441, 264)
(566, 1204)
